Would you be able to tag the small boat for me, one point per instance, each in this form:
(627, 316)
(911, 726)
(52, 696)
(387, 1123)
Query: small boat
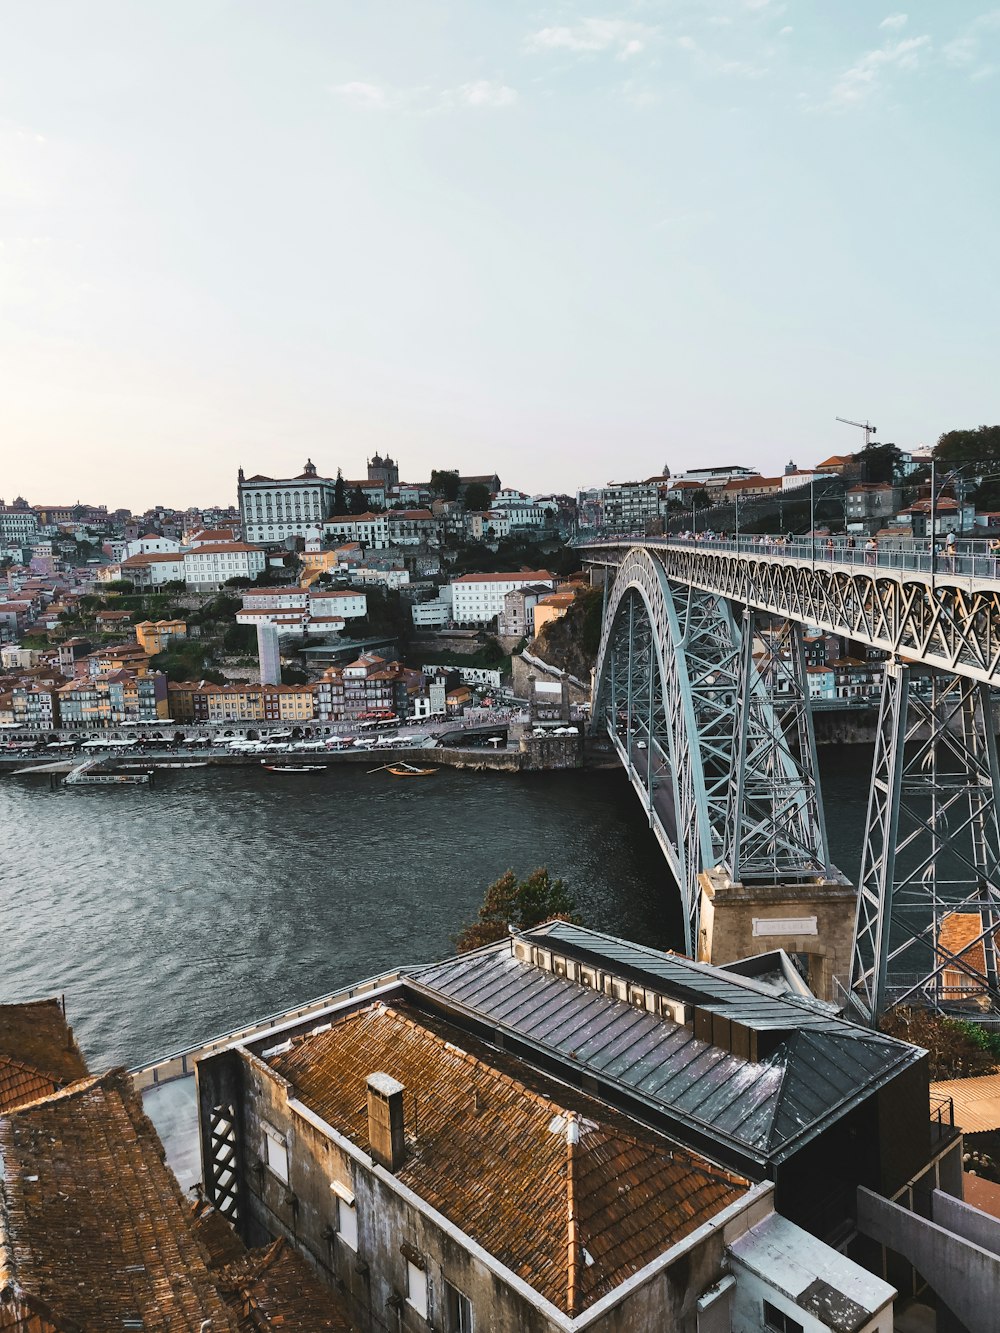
(410, 771)
(201, 763)
(294, 768)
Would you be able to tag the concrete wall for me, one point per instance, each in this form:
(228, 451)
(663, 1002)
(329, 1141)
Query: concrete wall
(963, 1275)
(748, 1307)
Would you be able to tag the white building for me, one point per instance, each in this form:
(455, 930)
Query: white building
(478, 598)
(371, 529)
(486, 526)
(274, 509)
(146, 571)
(344, 602)
(17, 526)
(151, 544)
(388, 578)
(207, 568)
(434, 614)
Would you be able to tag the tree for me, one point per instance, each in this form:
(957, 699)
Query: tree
(877, 463)
(445, 484)
(521, 904)
(477, 497)
(359, 501)
(339, 495)
(969, 446)
(293, 675)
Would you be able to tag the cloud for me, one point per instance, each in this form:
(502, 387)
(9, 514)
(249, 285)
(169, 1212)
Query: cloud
(485, 92)
(784, 32)
(712, 63)
(857, 84)
(893, 22)
(368, 96)
(594, 36)
(965, 50)
(423, 101)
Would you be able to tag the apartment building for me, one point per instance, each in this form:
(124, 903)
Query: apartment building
(109, 700)
(411, 527)
(155, 636)
(35, 706)
(517, 619)
(146, 571)
(478, 598)
(18, 525)
(207, 568)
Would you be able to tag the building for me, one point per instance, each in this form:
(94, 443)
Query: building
(517, 619)
(385, 470)
(268, 653)
(114, 698)
(145, 571)
(368, 529)
(156, 636)
(35, 706)
(207, 568)
(627, 506)
(552, 607)
(749, 488)
(412, 527)
(18, 524)
(435, 612)
(478, 598)
(273, 510)
(563, 1131)
(835, 465)
(876, 500)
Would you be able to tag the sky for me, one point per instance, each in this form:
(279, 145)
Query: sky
(570, 243)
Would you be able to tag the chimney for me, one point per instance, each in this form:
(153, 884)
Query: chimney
(386, 1134)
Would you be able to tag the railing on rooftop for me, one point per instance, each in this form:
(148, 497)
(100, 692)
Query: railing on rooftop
(969, 559)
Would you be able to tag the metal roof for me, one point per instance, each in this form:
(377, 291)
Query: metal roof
(819, 1067)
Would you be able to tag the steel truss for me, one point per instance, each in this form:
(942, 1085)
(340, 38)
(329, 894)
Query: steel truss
(775, 831)
(932, 848)
(674, 672)
(943, 622)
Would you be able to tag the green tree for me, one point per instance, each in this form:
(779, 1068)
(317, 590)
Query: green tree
(518, 903)
(120, 585)
(359, 501)
(293, 675)
(240, 639)
(969, 446)
(445, 484)
(339, 495)
(477, 497)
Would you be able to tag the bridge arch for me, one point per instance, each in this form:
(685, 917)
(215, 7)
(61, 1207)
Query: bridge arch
(666, 688)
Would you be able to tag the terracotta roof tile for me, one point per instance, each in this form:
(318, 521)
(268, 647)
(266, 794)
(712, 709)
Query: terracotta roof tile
(37, 1036)
(273, 1288)
(95, 1232)
(534, 1172)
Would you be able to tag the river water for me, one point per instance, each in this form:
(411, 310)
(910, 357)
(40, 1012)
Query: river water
(225, 894)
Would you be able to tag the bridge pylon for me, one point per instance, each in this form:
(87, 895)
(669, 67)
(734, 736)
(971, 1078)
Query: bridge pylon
(928, 908)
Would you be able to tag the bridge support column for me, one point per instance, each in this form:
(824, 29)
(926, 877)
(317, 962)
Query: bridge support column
(928, 908)
(812, 922)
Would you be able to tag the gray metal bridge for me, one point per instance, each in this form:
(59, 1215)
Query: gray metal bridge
(720, 747)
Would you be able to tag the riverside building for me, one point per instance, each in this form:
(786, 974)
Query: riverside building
(564, 1131)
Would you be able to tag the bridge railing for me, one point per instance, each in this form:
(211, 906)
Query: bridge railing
(969, 559)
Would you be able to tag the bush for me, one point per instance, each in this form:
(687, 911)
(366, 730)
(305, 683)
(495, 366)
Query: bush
(957, 1048)
(521, 904)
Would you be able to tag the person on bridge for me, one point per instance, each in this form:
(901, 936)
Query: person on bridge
(993, 546)
(871, 551)
(829, 548)
(949, 550)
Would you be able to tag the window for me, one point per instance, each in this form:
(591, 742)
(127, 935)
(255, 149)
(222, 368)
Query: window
(779, 1321)
(416, 1288)
(276, 1153)
(347, 1215)
(457, 1310)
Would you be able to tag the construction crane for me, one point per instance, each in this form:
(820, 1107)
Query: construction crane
(861, 425)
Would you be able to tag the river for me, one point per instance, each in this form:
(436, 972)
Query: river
(222, 895)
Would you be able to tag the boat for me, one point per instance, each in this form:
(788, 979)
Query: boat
(294, 768)
(409, 771)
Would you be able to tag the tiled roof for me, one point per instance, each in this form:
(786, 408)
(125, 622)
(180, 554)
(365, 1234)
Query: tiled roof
(516, 575)
(520, 1163)
(95, 1232)
(273, 1288)
(977, 1101)
(36, 1035)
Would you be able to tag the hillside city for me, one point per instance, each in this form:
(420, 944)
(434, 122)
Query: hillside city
(320, 603)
